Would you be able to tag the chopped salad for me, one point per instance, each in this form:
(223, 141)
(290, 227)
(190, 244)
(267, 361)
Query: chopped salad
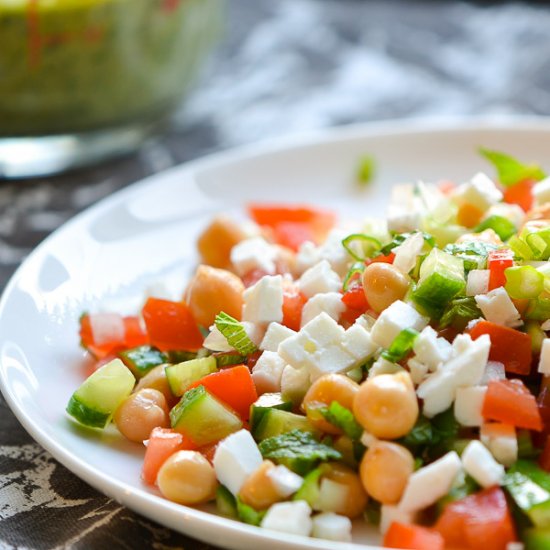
(394, 370)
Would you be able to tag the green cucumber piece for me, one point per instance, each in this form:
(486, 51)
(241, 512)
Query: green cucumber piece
(309, 491)
(226, 359)
(536, 539)
(182, 375)
(142, 359)
(277, 422)
(529, 497)
(203, 418)
(95, 401)
(226, 502)
(264, 403)
(441, 279)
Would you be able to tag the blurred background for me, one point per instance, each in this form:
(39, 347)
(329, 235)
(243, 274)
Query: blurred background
(280, 68)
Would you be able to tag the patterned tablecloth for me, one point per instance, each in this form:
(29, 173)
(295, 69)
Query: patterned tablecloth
(284, 66)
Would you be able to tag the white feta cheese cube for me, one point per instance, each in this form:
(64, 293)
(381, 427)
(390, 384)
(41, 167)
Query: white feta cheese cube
(236, 457)
(480, 190)
(431, 350)
(274, 335)
(285, 481)
(307, 256)
(267, 372)
(393, 320)
(294, 384)
(407, 252)
(541, 191)
(263, 302)
(497, 307)
(333, 251)
(544, 361)
(468, 405)
(383, 366)
(494, 370)
(477, 282)
(419, 371)
(390, 513)
(329, 302)
(324, 330)
(358, 342)
(330, 526)
(289, 517)
(402, 214)
(501, 440)
(331, 359)
(319, 279)
(466, 368)
(254, 253)
(430, 483)
(332, 496)
(479, 463)
(512, 212)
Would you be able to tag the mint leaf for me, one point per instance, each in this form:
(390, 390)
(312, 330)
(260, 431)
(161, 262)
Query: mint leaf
(343, 418)
(297, 450)
(234, 333)
(510, 170)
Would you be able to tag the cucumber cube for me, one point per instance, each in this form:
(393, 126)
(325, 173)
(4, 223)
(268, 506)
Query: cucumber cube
(264, 403)
(277, 422)
(95, 401)
(182, 375)
(142, 359)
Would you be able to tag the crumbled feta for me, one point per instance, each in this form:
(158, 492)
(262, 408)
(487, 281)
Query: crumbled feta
(494, 370)
(477, 282)
(541, 191)
(501, 440)
(263, 302)
(274, 335)
(333, 251)
(358, 342)
(294, 383)
(285, 481)
(498, 308)
(402, 213)
(466, 368)
(393, 320)
(319, 279)
(389, 514)
(307, 256)
(331, 526)
(512, 212)
(468, 405)
(383, 366)
(254, 253)
(419, 371)
(480, 190)
(430, 483)
(236, 457)
(431, 350)
(329, 302)
(479, 463)
(289, 517)
(332, 496)
(544, 362)
(267, 372)
(407, 252)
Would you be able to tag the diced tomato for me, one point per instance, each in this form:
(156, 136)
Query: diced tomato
(544, 458)
(293, 303)
(414, 537)
(293, 234)
(497, 262)
(387, 259)
(162, 444)
(102, 334)
(521, 194)
(320, 221)
(355, 298)
(510, 402)
(251, 277)
(208, 451)
(508, 346)
(234, 387)
(481, 521)
(170, 325)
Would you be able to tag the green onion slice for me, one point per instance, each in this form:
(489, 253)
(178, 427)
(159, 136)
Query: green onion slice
(234, 333)
(361, 247)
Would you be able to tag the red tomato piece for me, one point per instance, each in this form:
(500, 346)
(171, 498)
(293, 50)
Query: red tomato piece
(478, 522)
(170, 325)
(508, 346)
(414, 537)
(355, 298)
(135, 333)
(497, 262)
(387, 259)
(510, 402)
(521, 194)
(234, 387)
(293, 234)
(162, 444)
(544, 458)
(293, 303)
(253, 276)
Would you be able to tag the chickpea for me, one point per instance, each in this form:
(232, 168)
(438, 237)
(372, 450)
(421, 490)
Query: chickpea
(384, 284)
(354, 505)
(187, 478)
(156, 380)
(386, 405)
(385, 470)
(217, 240)
(140, 412)
(213, 290)
(325, 390)
(258, 490)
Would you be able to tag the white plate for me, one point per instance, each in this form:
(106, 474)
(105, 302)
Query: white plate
(140, 235)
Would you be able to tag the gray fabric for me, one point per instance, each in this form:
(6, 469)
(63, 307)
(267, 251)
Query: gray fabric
(284, 66)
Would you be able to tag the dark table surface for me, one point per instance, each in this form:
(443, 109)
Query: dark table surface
(283, 67)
